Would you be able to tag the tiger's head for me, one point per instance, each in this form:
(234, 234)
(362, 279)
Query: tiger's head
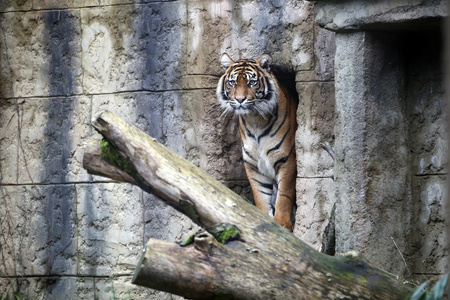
(247, 87)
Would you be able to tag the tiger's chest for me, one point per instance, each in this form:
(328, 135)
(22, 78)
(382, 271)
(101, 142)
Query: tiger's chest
(258, 146)
(257, 153)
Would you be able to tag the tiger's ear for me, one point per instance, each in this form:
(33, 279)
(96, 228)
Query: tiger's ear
(226, 60)
(264, 61)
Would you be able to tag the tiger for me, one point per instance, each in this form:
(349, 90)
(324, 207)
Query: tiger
(266, 110)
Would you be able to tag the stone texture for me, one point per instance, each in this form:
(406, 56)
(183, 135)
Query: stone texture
(164, 222)
(37, 225)
(257, 27)
(248, 29)
(324, 51)
(65, 4)
(428, 248)
(315, 199)
(8, 141)
(390, 140)
(109, 229)
(363, 15)
(206, 28)
(142, 109)
(42, 54)
(52, 134)
(427, 106)
(370, 138)
(14, 5)
(133, 47)
(69, 288)
(315, 118)
(123, 288)
(164, 30)
(112, 48)
(53, 288)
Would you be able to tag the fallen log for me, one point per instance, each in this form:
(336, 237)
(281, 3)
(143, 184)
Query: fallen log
(243, 253)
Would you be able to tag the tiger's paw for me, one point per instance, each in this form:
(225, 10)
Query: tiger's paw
(285, 223)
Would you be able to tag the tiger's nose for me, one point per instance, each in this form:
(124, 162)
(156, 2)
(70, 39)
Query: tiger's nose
(240, 99)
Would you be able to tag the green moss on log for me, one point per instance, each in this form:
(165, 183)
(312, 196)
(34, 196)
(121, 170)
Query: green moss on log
(112, 156)
(188, 209)
(188, 241)
(225, 232)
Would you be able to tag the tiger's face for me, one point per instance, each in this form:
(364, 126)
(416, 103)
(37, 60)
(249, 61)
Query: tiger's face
(247, 87)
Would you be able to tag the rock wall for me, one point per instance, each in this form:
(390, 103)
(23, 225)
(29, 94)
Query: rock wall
(64, 232)
(391, 133)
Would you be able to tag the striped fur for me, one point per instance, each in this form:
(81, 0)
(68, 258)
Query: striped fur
(267, 124)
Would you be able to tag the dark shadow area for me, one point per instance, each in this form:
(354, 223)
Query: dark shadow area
(58, 198)
(427, 114)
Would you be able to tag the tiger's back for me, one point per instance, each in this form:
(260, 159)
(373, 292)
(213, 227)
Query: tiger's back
(267, 124)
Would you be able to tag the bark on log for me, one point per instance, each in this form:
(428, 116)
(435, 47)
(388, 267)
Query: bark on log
(261, 261)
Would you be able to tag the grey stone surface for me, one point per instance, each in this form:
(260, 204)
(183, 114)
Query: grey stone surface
(384, 14)
(324, 51)
(391, 143)
(164, 29)
(41, 55)
(142, 109)
(123, 288)
(133, 47)
(12, 5)
(428, 135)
(54, 288)
(252, 28)
(428, 109)
(52, 134)
(42, 240)
(68, 4)
(371, 137)
(315, 199)
(9, 146)
(257, 27)
(164, 222)
(315, 118)
(428, 249)
(112, 51)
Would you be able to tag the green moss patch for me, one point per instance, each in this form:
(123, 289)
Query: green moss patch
(225, 232)
(110, 154)
(189, 210)
(188, 241)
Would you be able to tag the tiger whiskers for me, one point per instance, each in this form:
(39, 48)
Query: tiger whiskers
(225, 112)
(263, 111)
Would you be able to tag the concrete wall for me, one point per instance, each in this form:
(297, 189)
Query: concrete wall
(64, 233)
(391, 137)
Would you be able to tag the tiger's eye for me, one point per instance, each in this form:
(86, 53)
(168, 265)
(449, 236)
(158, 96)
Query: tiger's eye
(232, 83)
(252, 82)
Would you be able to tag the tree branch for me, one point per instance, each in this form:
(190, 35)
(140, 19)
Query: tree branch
(250, 256)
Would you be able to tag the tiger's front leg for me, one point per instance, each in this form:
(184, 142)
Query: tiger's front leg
(262, 189)
(264, 192)
(285, 205)
(285, 202)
